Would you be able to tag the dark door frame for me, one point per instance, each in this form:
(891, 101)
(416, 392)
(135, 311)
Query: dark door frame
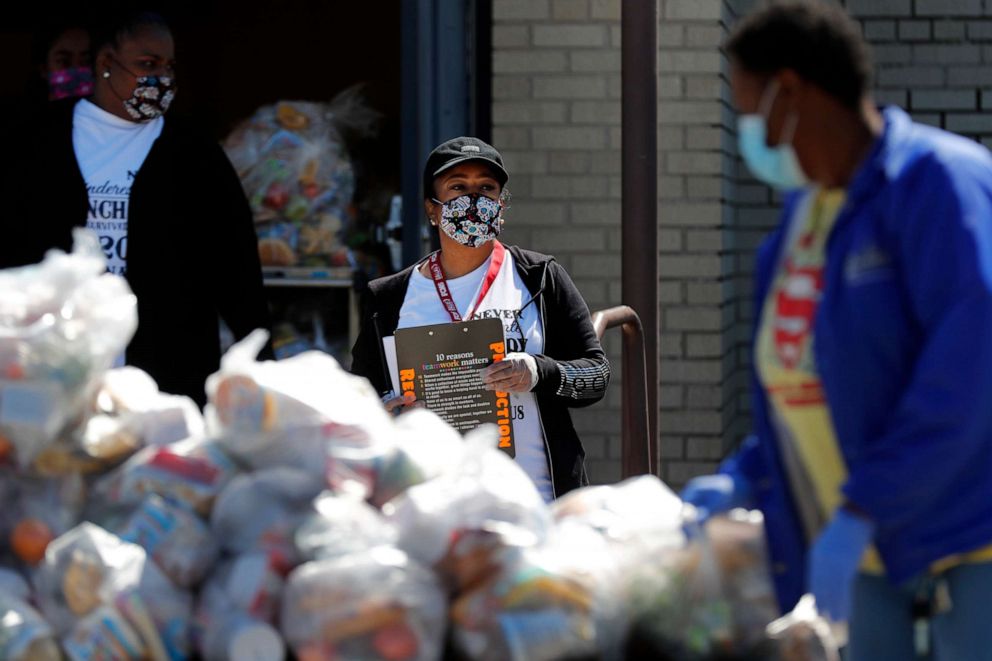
(446, 92)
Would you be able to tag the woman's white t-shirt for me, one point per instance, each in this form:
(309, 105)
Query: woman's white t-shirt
(110, 151)
(523, 331)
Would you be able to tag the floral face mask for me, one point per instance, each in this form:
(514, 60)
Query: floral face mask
(471, 219)
(151, 97)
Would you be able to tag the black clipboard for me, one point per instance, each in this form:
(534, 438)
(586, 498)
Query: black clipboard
(441, 363)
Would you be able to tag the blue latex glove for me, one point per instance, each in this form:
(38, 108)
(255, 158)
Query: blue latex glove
(715, 494)
(834, 561)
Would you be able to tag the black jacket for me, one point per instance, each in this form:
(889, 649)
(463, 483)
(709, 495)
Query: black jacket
(192, 250)
(572, 371)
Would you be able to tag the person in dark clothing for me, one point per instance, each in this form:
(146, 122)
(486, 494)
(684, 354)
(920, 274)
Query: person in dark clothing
(63, 60)
(160, 194)
(554, 358)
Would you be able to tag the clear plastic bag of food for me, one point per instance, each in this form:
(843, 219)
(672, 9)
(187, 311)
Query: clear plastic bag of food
(640, 515)
(418, 447)
(298, 178)
(95, 446)
(261, 511)
(91, 579)
(237, 609)
(35, 511)
(803, 635)
(24, 633)
(191, 472)
(370, 606)
(132, 397)
(482, 487)
(557, 600)
(179, 542)
(283, 413)
(127, 414)
(339, 525)
(63, 322)
(713, 596)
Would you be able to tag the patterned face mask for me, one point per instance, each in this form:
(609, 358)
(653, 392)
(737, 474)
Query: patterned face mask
(471, 219)
(151, 98)
(74, 82)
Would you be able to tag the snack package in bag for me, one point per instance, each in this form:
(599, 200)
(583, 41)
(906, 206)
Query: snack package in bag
(420, 446)
(283, 413)
(237, 609)
(191, 472)
(340, 525)
(127, 413)
(132, 397)
(105, 631)
(63, 322)
(179, 542)
(557, 600)
(92, 582)
(261, 511)
(370, 606)
(482, 487)
(24, 633)
(98, 445)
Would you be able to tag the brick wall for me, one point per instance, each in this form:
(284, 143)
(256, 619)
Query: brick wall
(697, 268)
(934, 58)
(556, 120)
(556, 117)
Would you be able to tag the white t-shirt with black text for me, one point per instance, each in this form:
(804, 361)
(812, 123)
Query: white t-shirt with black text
(523, 331)
(110, 151)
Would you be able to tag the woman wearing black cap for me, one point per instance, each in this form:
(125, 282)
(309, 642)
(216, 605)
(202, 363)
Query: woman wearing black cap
(554, 359)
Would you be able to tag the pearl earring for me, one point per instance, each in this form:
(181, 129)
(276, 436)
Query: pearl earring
(106, 74)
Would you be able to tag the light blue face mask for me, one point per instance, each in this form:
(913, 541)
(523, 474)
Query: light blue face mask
(777, 166)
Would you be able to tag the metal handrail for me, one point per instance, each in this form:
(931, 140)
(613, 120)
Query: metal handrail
(637, 449)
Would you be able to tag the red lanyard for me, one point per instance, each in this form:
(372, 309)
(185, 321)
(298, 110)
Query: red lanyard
(441, 284)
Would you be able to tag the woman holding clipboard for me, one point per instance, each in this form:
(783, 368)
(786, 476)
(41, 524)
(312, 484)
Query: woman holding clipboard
(554, 359)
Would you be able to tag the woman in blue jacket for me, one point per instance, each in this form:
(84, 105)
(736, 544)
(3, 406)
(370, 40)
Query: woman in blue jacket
(871, 456)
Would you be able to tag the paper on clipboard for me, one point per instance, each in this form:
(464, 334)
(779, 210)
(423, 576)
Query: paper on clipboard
(389, 348)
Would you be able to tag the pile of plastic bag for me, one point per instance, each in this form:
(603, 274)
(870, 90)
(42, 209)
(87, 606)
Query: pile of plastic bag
(298, 517)
(299, 181)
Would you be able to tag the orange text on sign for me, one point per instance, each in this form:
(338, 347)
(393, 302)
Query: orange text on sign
(502, 402)
(407, 377)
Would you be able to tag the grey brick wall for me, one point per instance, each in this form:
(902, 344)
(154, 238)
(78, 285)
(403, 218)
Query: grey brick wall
(698, 403)
(556, 117)
(933, 58)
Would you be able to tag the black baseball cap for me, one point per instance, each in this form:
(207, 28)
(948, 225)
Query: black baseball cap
(458, 150)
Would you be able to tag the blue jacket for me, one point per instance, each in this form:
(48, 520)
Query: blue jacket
(903, 343)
